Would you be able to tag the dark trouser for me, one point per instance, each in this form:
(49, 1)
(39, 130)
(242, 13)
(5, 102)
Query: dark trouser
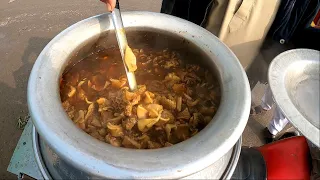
(191, 10)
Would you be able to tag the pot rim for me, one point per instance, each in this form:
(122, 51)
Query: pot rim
(103, 160)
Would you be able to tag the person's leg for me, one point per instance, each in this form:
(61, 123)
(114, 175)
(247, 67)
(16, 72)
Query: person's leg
(167, 6)
(266, 103)
(278, 122)
(267, 99)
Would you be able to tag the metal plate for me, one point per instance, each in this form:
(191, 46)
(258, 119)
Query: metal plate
(294, 82)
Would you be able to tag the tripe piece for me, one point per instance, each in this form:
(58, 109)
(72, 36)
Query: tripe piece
(130, 59)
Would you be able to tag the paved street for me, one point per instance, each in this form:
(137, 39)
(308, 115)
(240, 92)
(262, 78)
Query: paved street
(26, 26)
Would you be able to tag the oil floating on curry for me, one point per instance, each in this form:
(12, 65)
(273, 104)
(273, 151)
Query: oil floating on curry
(174, 101)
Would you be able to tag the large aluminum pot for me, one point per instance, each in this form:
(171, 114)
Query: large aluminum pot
(97, 159)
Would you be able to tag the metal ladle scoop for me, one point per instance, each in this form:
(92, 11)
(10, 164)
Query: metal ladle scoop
(123, 44)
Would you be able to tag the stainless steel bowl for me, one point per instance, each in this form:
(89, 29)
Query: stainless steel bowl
(98, 159)
(295, 82)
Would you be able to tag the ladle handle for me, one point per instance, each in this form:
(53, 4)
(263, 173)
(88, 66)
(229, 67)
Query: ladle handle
(122, 42)
(117, 5)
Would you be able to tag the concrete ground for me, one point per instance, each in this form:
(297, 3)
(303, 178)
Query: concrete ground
(27, 26)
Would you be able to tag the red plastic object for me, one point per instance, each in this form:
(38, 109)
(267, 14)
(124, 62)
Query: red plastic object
(287, 158)
(316, 21)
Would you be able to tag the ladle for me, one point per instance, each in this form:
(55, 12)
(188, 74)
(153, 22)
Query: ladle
(123, 44)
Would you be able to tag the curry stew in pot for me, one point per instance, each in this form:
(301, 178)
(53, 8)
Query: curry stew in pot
(174, 100)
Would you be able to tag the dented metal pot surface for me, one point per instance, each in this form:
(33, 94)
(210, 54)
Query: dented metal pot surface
(94, 159)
